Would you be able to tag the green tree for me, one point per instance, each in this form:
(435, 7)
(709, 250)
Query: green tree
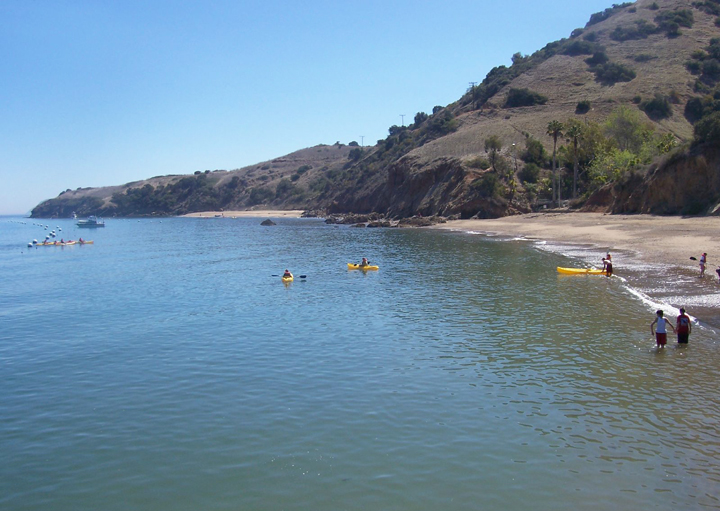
(707, 130)
(574, 132)
(627, 129)
(534, 152)
(355, 154)
(610, 166)
(555, 130)
(493, 145)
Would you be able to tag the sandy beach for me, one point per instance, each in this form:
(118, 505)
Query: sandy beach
(667, 240)
(637, 242)
(256, 213)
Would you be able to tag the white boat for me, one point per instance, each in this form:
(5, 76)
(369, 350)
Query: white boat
(91, 221)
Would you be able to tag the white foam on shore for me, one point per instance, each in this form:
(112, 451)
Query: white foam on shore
(664, 283)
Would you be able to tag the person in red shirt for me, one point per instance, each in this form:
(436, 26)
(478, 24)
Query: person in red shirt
(684, 327)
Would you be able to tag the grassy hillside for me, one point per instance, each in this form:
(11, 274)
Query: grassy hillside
(630, 84)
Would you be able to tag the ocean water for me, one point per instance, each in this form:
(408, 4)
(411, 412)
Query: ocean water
(166, 367)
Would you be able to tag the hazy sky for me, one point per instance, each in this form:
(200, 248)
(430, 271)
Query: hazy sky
(103, 92)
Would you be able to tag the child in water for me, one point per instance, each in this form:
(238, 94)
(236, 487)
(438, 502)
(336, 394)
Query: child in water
(660, 332)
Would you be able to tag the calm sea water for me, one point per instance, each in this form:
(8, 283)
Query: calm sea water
(165, 367)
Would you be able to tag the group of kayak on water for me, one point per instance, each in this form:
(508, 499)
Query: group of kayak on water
(364, 265)
(80, 241)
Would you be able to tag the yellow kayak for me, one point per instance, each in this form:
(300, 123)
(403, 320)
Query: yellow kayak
(353, 266)
(287, 279)
(580, 271)
(56, 244)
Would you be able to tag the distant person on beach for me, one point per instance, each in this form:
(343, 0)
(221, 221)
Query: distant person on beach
(703, 261)
(607, 265)
(684, 327)
(660, 332)
(718, 273)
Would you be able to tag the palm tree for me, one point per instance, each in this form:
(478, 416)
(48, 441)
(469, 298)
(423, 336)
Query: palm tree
(574, 132)
(493, 145)
(555, 130)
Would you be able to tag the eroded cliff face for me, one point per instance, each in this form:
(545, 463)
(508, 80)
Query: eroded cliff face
(687, 183)
(441, 187)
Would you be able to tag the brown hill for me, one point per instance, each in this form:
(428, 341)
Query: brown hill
(626, 55)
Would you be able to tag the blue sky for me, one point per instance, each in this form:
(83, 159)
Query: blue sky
(98, 93)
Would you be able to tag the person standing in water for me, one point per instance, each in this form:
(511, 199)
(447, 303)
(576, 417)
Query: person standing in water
(703, 262)
(660, 332)
(684, 327)
(607, 265)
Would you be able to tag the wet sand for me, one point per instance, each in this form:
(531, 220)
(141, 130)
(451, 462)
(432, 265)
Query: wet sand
(255, 213)
(651, 254)
(653, 239)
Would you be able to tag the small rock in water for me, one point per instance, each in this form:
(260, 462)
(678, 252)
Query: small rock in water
(268, 222)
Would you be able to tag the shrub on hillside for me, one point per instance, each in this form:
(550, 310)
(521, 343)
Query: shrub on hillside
(583, 107)
(603, 15)
(644, 57)
(707, 130)
(479, 162)
(355, 154)
(534, 152)
(530, 173)
(578, 47)
(487, 186)
(442, 123)
(612, 73)
(657, 108)
(671, 21)
(597, 59)
(641, 30)
(708, 6)
(693, 110)
(524, 97)
(259, 195)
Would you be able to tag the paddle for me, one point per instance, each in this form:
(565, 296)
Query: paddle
(299, 276)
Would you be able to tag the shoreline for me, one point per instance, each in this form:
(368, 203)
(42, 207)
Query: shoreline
(255, 213)
(652, 239)
(651, 254)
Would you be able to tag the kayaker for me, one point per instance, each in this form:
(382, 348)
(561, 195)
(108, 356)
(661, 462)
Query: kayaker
(81, 241)
(364, 262)
(287, 274)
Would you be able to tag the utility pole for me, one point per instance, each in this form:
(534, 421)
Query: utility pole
(402, 117)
